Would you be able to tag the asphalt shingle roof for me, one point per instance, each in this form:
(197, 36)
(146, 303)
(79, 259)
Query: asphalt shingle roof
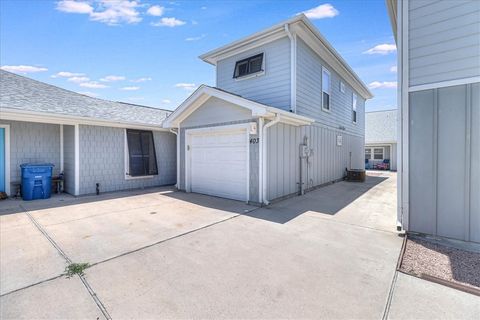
(18, 92)
(381, 126)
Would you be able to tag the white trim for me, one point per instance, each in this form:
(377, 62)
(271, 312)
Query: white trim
(325, 70)
(403, 96)
(443, 84)
(7, 157)
(342, 87)
(293, 69)
(250, 76)
(77, 159)
(61, 149)
(226, 128)
(260, 159)
(42, 117)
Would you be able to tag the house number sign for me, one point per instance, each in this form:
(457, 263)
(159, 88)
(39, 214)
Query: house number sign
(254, 140)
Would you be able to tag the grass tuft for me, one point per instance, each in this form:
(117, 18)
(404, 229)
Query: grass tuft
(76, 268)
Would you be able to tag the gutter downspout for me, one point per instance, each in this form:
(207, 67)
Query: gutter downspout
(264, 158)
(293, 69)
(177, 133)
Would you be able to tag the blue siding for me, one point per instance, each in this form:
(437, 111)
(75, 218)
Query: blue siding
(272, 88)
(309, 90)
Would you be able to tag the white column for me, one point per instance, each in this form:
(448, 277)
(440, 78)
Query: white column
(77, 160)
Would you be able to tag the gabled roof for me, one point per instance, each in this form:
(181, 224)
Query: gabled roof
(30, 97)
(204, 92)
(381, 127)
(301, 26)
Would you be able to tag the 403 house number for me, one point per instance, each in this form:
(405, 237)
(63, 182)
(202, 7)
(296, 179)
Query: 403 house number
(254, 140)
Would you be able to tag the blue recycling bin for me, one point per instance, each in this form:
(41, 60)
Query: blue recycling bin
(36, 180)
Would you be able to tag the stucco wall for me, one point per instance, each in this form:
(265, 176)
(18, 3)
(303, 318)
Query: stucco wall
(102, 160)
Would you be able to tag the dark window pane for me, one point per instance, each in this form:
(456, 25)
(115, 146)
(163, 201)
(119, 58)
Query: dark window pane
(354, 116)
(326, 101)
(141, 149)
(256, 65)
(248, 66)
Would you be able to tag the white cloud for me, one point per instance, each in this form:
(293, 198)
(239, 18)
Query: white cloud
(78, 79)
(132, 88)
(156, 11)
(393, 69)
(195, 38)
(382, 85)
(166, 101)
(144, 79)
(384, 48)
(93, 85)
(88, 93)
(23, 69)
(111, 12)
(186, 86)
(168, 22)
(67, 74)
(112, 78)
(71, 6)
(322, 11)
(203, 8)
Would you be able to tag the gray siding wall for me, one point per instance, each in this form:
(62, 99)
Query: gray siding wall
(215, 110)
(102, 160)
(444, 40)
(309, 92)
(444, 154)
(69, 158)
(34, 143)
(254, 152)
(272, 88)
(327, 163)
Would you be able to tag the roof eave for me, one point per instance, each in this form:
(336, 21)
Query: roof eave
(392, 13)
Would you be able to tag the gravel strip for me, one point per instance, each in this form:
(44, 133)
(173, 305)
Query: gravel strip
(447, 263)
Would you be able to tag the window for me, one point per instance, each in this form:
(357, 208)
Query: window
(325, 89)
(141, 160)
(378, 153)
(354, 108)
(368, 154)
(342, 87)
(248, 66)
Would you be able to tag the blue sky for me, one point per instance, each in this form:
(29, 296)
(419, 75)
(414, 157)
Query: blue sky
(146, 52)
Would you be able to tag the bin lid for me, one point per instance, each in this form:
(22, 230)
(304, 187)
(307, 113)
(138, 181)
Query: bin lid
(35, 165)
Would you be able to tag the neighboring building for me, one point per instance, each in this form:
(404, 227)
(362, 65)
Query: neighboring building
(117, 145)
(287, 115)
(439, 89)
(381, 140)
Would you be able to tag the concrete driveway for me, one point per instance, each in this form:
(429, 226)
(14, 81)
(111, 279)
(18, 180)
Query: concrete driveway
(164, 254)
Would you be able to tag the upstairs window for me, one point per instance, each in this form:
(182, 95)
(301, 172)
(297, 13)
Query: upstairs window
(142, 160)
(248, 66)
(326, 89)
(354, 108)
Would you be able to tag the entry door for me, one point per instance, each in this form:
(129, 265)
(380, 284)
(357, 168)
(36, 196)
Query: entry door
(219, 163)
(2, 160)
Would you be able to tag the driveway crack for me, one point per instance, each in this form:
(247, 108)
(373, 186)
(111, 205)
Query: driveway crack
(90, 290)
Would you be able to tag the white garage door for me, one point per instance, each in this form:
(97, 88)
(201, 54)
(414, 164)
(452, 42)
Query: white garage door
(218, 163)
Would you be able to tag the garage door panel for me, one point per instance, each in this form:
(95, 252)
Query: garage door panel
(218, 163)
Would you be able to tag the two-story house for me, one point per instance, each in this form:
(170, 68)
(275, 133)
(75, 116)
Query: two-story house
(287, 115)
(439, 111)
